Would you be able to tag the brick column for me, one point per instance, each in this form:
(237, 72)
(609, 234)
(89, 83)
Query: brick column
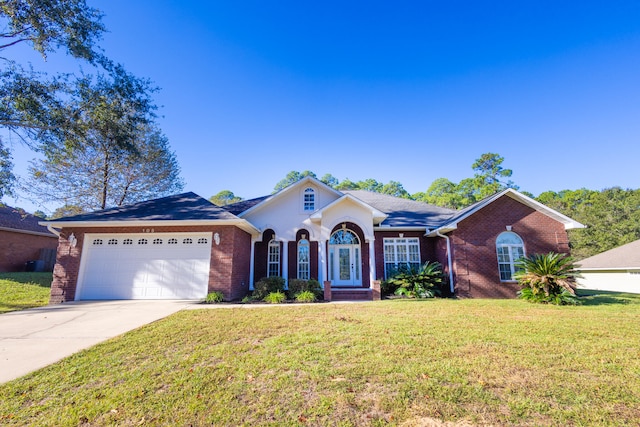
(375, 288)
(327, 290)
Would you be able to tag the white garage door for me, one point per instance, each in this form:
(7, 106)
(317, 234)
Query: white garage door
(145, 266)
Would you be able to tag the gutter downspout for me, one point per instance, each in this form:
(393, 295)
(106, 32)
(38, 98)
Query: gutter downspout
(52, 230)
(449, 263)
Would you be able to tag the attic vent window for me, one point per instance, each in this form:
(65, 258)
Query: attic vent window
(309, 200)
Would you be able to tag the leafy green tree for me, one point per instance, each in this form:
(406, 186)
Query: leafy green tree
(347, 184)
(370, 184)
(488, 179)
(612, 217)
(224, 197)
(547, 278)
(441, 192)
(330, 180)
(292, 177)
(394, 188)
(50, 25)
(101, 174)
(7, 178)
(67, 210)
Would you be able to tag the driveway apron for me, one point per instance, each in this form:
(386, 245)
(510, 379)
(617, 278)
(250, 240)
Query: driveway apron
(32, 339)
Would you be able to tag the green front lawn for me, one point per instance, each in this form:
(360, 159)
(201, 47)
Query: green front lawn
(400, 362)
(24, 290)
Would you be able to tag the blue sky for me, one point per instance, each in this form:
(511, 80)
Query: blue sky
(404, 91)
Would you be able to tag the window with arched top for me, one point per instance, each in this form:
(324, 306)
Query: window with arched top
(344, 237)
(510, 248)
(309, 199)
(303, 259)
(273, 259)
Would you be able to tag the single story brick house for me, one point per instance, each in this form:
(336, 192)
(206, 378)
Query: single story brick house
(25, 244)
(616, 270)
(183, 246)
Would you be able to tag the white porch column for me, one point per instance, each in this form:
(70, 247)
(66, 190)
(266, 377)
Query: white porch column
(322, 262)
(252, 262)
(285, 263)
(372, 262)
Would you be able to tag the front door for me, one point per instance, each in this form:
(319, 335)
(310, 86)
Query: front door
(345, 260)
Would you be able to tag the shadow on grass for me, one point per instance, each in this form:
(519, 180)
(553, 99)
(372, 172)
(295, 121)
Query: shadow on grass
(592, 297)
(42, 279)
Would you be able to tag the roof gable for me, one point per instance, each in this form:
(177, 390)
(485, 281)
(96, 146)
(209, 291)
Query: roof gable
(376, 214)
(262, 202)
(623, 257)
(452, 224)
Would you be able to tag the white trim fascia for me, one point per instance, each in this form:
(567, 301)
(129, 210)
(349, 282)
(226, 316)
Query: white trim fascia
(240, 223)
(441, 230)
(407, 228)
(594, 269)
(34, 233)
(288, 189)
(377, 214)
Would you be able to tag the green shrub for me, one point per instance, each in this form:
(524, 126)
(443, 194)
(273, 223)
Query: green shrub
(267, 285)
(275, 298)
(214, 297)
(297, 286)
(548, 279)
(248, 298)
(306, 296)
(426, 282)
(562, 298)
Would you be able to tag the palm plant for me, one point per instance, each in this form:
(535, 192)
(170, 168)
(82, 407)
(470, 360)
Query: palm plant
(548, 278)
(423, 283)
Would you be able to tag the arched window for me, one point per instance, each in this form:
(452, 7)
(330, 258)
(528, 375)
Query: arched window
(309, 199)
(303, 259)
(510, 248)
(273, 260)
(344, 237)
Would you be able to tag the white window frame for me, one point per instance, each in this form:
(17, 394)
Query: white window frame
(401, 252)
(309, 199)
(304, 259)
(508, 253)
(273, 258)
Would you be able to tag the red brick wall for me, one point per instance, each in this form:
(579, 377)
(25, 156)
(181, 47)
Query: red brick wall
(18, 248)
(229, 261)
(474, 246)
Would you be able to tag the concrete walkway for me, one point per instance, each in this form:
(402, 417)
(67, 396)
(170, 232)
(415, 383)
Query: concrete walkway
(32, 339)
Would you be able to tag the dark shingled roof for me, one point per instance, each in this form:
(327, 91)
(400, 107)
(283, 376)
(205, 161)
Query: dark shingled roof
(239, 207)
(17, 219)
(185, 206)
(404, 212)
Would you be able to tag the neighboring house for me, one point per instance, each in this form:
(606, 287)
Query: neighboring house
(616, 270)
(24, 244)
(183, 246)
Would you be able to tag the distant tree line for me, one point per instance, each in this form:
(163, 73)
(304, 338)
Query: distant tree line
(612, 215)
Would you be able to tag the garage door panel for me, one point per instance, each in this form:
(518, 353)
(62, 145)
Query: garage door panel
(152, 266)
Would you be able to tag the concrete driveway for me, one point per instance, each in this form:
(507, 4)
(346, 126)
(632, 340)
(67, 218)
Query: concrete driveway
(32, 339)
